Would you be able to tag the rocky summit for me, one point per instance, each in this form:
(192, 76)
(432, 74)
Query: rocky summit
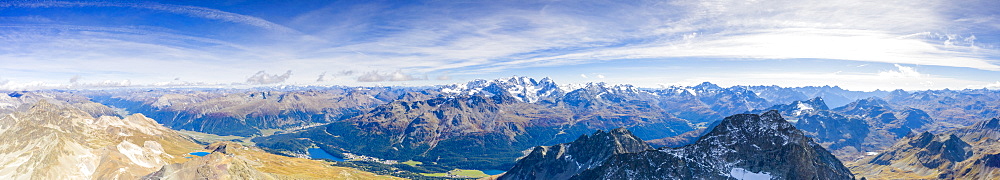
(743, 146)
(562, 161)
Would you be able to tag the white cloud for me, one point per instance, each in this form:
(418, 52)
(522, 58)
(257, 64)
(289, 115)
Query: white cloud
(600, 76)
(902, 72)
(262, 77)
(583, 75)
(320, 79)
(74, 79)
(995, 85)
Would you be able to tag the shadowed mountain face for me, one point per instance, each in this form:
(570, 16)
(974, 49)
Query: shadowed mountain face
(963, 153)
(741, 146)
(562, 161)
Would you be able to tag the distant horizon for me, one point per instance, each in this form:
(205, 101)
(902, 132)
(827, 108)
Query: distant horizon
(284, 86)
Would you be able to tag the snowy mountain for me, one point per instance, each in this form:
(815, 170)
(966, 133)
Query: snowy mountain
(523, 89)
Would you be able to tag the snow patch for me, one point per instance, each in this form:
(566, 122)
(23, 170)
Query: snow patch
(742, 174)
(139, 155)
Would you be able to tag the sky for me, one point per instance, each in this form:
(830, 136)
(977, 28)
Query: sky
(854, 44)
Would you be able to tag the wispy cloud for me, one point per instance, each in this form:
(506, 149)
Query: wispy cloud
(200, 12)
(494, 36)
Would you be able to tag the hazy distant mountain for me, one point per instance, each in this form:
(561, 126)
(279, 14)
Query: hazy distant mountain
(743, 146)
(955, 108)
(708, 102)
(836, 96)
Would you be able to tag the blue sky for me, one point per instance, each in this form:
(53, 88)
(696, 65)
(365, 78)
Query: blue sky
(858, 45)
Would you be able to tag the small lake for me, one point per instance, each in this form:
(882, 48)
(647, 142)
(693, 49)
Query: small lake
(317, 153)
(200, 153)
(493, 172)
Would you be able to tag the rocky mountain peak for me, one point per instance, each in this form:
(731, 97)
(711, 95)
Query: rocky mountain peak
(768, 123)
(562, 161)
(816, 103)
(706, 86)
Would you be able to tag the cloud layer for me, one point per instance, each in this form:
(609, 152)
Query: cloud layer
(213, 43)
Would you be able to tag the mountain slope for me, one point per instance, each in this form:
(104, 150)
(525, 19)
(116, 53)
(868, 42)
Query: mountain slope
(233, 161)
(964, 153)
(763, 146)
(50, 141)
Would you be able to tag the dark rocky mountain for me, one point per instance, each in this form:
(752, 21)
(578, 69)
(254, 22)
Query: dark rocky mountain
(562, 161)
(750, 146)
(963, 153)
